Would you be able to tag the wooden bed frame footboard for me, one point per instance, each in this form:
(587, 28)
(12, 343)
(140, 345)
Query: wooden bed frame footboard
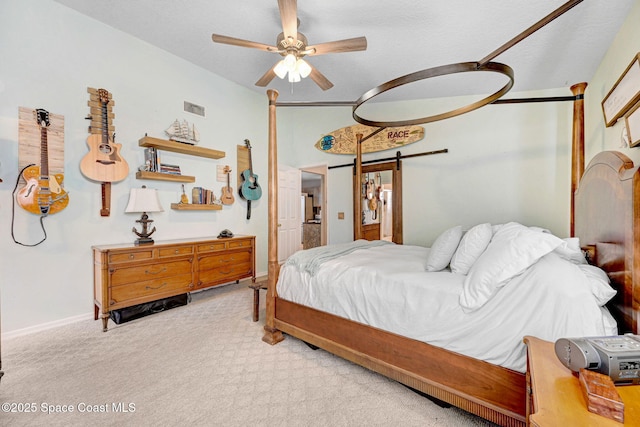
(481, 388)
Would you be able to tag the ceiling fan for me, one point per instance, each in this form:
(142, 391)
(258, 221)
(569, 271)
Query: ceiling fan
(293, 46)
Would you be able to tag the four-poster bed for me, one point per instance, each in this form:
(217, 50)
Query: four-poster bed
(490, 391)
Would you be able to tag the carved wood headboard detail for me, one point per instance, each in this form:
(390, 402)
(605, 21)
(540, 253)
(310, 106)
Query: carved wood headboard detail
(607, 218)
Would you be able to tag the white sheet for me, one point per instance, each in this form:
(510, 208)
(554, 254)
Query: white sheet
(387, 287)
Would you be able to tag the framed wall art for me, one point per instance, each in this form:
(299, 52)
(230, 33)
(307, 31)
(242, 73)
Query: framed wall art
(632, 122)
(624, 94)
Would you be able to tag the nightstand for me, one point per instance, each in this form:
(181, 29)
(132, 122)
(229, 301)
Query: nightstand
(554, 397)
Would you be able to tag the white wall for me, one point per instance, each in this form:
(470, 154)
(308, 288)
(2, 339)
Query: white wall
(623, 49)
(528, 143)
(50, 55)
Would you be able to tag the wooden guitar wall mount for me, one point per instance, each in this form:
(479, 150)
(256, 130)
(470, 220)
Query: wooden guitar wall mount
(103, 162)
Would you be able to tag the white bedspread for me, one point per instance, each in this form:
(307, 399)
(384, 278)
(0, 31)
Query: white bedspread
(387, 287)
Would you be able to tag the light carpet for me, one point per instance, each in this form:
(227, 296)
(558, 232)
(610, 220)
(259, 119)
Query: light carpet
(203, 364)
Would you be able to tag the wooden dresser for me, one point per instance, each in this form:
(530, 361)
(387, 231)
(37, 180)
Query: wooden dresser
(555, 397)
(126, 275)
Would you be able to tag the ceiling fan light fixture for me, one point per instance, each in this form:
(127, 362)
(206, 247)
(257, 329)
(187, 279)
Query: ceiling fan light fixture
(303, 68)
(280, 69)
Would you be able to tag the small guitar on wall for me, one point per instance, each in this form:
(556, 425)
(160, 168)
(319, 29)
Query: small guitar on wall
(43, 194)
(227, 192)
(250, 189)
(103, 162)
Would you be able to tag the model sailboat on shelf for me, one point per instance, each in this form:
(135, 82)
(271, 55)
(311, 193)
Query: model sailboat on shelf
(182, 132)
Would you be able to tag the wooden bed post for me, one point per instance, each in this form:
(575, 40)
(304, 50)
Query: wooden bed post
(271, 334)
(357, 194)
(577, 147)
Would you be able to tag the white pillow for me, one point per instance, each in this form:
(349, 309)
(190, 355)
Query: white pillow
(598, 283)
(513, 249)
(472, 245)
(443, 248)
(570, 250)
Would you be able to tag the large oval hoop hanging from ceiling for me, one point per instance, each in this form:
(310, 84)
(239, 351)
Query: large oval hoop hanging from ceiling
(483, 65)
(462, 67)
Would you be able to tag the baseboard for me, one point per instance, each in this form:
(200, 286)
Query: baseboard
(46, 326)
(69, 320)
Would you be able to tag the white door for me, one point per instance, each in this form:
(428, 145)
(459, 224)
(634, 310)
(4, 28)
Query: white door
(289, 215)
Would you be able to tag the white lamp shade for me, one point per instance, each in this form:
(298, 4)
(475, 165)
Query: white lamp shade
(294, 76)
(290, 61)
(303, 68)
(280, 69)
(143, 200)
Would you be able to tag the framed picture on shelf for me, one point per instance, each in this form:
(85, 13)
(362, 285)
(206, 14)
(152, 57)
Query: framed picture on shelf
(632, 122)
(624, 94)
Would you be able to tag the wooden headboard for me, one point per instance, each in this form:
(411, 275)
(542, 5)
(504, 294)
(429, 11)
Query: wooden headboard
(607, 220)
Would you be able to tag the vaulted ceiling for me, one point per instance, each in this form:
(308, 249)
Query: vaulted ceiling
(403, 36)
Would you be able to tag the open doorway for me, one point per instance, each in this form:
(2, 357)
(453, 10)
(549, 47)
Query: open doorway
(313, 200)
(381, 202)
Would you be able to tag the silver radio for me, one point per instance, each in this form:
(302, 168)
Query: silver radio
(617, 356)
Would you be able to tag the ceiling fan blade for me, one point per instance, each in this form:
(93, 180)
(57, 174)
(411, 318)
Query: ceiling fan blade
(266, 78)
(289, 17)
(347, 45)
(320, 79)
(242, 43)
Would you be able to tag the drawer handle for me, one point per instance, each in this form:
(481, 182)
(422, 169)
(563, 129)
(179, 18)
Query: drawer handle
(158, 287)
(226, 272)
(177, 252)
(156, 272)
(131, 256)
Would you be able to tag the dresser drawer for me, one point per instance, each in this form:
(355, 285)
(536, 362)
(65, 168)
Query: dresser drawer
(124, 275)
(175, 251)
(212, 246)
(225, 274)
(223, 259)
(245, 243)
(117, 257)
(149, 289)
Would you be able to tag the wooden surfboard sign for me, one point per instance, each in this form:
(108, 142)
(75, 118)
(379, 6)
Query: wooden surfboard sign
(343, 140)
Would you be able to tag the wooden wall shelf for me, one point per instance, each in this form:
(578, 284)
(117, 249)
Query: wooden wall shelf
(164, 176)
(195, 207)
(178, 147)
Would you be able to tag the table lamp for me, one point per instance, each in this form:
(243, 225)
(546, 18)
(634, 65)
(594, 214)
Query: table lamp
(143, 200)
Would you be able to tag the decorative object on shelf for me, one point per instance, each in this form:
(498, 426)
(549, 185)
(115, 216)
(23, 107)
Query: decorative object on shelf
(624, 94)
(103, 162)
(181, 131)
(250, 189)
(143, 200)
(203, 196)
(343, 140)
(183, 198)
(150, 160)
(632, 125)
(43, 193)
(226, 196)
